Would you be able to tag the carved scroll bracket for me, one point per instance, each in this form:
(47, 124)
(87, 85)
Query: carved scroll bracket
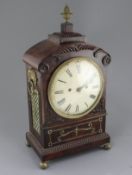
(43, 67)
(105, 57)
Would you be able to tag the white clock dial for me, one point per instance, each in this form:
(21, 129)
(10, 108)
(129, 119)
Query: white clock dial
(75, 87)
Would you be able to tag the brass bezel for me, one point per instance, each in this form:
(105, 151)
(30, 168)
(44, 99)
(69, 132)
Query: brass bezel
(69, 116)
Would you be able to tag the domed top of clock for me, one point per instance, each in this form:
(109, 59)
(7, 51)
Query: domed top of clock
(62, 42)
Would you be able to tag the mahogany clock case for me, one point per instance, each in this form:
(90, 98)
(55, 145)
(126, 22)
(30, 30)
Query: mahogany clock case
(59, 136)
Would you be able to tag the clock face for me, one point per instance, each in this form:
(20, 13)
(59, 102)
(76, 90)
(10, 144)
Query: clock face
(75, 87)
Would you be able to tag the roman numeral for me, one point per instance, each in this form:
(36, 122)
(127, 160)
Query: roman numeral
(86, 104)
(59, 92)
(69, 73)
(62, 101)
(92, 96)
(95, 87)
(92, 78)
(62, 81)
(68, 108)
(78, 68)
(77, 108)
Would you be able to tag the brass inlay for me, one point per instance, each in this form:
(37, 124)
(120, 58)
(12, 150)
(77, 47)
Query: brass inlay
(50, 139)
(90, 128)
(66, 13)
(100, 124)
(34, 97)
(76, 131)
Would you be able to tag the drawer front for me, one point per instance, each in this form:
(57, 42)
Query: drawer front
(61, 135)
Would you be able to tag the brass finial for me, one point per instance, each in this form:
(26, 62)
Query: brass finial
(67, 13)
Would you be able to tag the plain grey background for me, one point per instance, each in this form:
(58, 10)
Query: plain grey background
(107, 24)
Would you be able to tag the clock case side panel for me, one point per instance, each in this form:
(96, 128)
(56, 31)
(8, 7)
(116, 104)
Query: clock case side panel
(33, 58)
(38, 136)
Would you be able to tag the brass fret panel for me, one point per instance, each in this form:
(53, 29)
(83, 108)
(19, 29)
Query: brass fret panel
(34, 97)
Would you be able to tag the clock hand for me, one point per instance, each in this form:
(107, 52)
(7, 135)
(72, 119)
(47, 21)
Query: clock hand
(92, 78)
(81, 87)
(85, 84)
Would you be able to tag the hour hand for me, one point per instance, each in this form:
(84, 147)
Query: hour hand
(81, 87)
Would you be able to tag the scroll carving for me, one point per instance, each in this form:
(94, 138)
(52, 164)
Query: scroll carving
(106, 58)
(43, 67)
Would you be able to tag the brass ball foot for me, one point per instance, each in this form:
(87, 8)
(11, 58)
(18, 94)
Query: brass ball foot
(106, 146)
(43, 165)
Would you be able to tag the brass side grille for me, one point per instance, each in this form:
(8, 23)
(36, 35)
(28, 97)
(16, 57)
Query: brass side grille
(34, 97)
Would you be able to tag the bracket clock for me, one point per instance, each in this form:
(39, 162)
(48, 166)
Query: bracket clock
(66, 87)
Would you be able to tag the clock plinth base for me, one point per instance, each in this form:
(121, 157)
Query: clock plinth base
(72, 147)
